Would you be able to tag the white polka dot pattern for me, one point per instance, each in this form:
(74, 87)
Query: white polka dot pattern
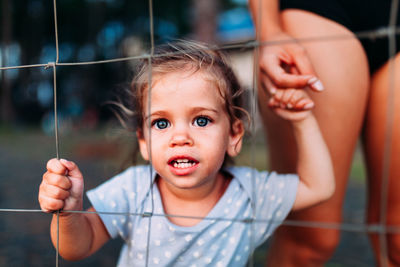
(210, 242)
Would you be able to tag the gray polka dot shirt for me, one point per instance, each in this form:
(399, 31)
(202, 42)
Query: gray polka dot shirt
(254, 204)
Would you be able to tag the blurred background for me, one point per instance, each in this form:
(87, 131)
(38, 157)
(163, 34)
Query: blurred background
(90, 31)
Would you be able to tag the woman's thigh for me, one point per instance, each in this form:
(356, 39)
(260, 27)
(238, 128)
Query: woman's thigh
(382, 146)
(342, 66)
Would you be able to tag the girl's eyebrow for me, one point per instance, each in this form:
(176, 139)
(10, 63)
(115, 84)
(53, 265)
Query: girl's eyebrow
(163, 113)
(160, 113)
(209, 109)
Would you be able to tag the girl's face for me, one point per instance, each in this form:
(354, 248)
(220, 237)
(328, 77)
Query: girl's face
(190, 130)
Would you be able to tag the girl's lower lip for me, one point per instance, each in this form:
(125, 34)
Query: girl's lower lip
(183, 171)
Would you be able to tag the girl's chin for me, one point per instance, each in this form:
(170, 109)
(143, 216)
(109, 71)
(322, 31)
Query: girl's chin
(182, 182)
(183, 185)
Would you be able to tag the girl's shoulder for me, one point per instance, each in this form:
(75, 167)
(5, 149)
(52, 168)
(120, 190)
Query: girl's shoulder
(251, 178)
(138, 177)
(245, 173)
(135, 179)
(137, 172)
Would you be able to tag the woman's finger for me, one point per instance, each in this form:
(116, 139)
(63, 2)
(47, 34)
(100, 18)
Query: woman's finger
(272, 68)
(267, 85)
(305, 67)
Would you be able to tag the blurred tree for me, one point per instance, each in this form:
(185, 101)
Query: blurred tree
(88, 30)
(7, 112)
(205, 20)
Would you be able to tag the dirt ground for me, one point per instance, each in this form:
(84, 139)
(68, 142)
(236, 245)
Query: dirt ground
(24, 236)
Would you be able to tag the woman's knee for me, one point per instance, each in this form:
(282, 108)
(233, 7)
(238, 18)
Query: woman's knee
(299, 246)
(393, 241)
(392, 250)
(323, 244)
(312, 246)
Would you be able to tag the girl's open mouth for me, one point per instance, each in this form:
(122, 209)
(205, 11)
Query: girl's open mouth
(183, 163)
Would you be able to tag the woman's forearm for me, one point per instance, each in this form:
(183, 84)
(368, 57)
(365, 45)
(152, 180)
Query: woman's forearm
(266, 17)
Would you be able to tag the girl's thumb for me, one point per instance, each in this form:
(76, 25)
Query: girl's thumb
(73, 170)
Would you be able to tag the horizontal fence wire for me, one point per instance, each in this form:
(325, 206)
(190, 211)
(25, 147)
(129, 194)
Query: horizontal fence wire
(347, 227)
(383, 32)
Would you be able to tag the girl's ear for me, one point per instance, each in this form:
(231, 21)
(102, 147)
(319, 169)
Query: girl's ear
(235, 138)
(142, 145)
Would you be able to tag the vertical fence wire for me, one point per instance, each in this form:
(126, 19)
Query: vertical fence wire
(56, 29)
(57, 150)
(150, 213)
(150, 82)
(253, 112)
(386, 160)
(56, 117)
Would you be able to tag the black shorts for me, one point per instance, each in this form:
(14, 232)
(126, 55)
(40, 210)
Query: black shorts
(357, 16)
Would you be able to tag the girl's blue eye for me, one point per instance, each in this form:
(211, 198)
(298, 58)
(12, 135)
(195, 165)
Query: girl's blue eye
(161, 124)
(201, 121)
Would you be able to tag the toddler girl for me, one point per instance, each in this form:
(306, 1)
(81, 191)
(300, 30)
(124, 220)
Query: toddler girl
(188, 207)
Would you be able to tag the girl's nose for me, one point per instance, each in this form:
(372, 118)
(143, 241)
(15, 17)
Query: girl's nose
(181, 137)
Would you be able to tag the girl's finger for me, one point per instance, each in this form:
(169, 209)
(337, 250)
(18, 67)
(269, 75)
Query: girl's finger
(58, 180)
(48, 204)
(279, 95)
(293, 97)
(272, 103)
(55, 166)
(287, 96)
(304, 104)
(55, 192)
(73, 170)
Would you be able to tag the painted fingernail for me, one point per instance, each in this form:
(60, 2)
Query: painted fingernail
(316, 84)
(309, 106)
(312, 80)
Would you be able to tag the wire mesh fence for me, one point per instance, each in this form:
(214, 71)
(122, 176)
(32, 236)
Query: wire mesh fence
(29, 216)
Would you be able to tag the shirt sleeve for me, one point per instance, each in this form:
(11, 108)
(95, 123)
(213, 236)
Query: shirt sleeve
(274, 198)
(115, 199)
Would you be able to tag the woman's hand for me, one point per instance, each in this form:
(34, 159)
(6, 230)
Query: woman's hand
(284, 63)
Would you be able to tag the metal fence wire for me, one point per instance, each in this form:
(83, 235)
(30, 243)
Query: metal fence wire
(381, 228)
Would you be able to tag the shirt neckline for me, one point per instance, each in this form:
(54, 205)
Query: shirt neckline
(211, 217)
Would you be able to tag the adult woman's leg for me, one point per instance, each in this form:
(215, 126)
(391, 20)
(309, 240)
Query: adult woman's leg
(376, 138)
(342, 66)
